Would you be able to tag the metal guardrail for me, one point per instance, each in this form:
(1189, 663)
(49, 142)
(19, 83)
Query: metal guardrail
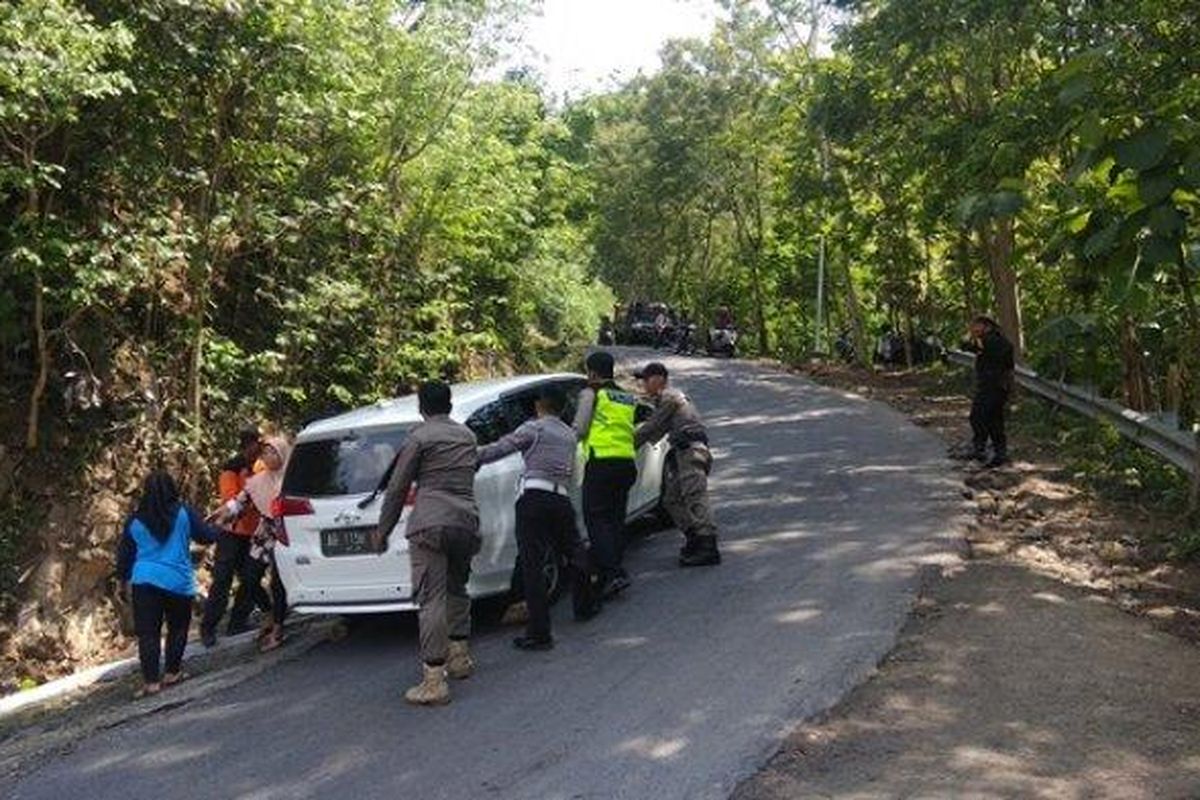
(1176, 446)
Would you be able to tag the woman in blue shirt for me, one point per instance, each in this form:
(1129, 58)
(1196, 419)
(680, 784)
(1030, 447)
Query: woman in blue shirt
(154, 558)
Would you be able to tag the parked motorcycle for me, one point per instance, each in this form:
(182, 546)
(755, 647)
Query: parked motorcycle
(722, 342)
(844, 348)
(607, 336)
(685, 340)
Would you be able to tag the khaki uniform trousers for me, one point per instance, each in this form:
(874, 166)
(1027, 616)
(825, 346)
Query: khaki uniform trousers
(686, 494)
(441, 566)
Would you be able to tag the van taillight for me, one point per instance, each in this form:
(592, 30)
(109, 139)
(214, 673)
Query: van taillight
(284, 507)
(290, 507)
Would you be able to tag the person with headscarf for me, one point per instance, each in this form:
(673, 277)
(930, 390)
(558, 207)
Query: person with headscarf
(259, 496)
(153, 557)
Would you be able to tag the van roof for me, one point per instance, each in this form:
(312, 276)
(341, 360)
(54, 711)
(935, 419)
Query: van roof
(467, 398)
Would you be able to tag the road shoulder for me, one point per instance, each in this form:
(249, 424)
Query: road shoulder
(1005, 683)
(1019, 674)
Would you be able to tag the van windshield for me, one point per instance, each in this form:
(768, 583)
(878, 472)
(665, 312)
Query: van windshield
(352, 463)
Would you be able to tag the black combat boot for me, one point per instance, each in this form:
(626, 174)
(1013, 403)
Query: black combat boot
(689, 544)
(704, 554)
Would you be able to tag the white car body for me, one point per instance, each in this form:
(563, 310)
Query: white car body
(321, 501)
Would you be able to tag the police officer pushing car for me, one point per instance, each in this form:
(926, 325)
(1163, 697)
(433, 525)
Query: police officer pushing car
(685, 494)
(605, 423)
(545, 515)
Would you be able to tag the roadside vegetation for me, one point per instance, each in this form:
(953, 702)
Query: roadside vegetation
(275, 209)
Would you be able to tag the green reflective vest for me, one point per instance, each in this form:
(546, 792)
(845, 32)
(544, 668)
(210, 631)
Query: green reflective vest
(611, 433)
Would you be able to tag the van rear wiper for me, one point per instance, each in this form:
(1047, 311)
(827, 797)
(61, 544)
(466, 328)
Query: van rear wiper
(381, 487)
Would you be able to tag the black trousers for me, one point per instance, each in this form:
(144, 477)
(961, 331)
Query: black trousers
(277, 601)
(545, 528)
(606, 485)
(987, 419)
(233, 559)
(151, 607)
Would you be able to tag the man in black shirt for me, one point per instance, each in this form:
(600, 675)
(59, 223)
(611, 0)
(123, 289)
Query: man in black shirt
(994, 365)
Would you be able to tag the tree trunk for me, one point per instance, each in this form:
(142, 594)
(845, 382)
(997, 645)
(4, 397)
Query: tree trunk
(1135, 376)
(998, 243)
(908, 337)
(760, 317)
(858, 328)
(42, 346)
(967, 269)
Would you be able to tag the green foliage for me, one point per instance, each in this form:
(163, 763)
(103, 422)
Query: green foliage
(278, 209)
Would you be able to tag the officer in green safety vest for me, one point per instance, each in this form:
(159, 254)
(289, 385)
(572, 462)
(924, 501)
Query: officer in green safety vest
(604, 423)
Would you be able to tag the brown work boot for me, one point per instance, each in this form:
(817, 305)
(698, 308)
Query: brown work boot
(432, 690)
(459, 665)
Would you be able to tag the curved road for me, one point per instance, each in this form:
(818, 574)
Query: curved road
(828, 505)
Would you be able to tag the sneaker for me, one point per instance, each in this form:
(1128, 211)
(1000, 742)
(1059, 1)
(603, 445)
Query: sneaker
(527, 642)
(614, 586)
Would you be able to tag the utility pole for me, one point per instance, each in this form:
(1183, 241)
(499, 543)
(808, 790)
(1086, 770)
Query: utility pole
(819, 334)
(817, 343)
(814, 39)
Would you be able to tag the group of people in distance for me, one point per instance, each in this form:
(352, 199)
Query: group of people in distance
(439, 458)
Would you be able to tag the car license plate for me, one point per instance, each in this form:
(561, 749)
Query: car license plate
(346, 542)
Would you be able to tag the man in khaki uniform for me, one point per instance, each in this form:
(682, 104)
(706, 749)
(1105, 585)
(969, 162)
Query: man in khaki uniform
(439, 456)
(685, 494)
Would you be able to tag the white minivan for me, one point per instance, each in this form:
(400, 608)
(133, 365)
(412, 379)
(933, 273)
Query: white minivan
(338, 463)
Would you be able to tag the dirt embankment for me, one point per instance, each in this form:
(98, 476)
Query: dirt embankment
(61, 508)
(1020, 674)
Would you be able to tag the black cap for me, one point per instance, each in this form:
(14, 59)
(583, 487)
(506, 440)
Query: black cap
(601, 363)
(651, 369)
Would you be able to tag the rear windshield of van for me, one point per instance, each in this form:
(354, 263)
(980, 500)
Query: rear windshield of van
(350, 464)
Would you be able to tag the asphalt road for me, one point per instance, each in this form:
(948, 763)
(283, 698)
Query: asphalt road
(827, 504)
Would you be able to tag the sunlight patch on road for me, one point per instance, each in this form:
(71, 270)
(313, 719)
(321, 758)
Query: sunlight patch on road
(750, 543)
(627, 642)
(798, 615)
(654, 748)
